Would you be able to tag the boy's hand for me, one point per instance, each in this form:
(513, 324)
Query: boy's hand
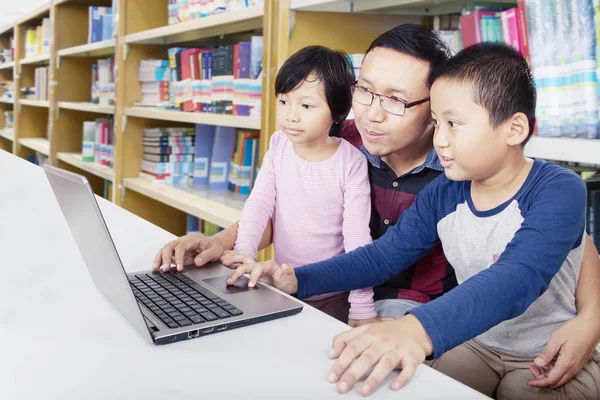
(282, 277)
(233, 259)
(192, 249)
(355, 323)
(401, 343)
(572, 345)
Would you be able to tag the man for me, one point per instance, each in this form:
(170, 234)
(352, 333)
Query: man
(392, 124)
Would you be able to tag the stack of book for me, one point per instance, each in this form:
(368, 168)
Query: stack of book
(100, 24)
(41, 83)
(222, 80)
(7, 55)
(188, 10)
(154, 78)
(103, 82)
(37, 39)
(98, 140)
(168, 155)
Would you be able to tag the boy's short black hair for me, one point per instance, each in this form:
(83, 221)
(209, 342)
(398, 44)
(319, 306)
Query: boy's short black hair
(501, 80)
(330, 67)
(415, 40)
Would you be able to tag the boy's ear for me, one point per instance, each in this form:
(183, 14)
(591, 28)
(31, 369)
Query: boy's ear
(518, 129)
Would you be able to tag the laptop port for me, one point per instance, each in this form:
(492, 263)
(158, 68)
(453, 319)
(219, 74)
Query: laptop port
(193, 334)
(221, 328)
(207, 330)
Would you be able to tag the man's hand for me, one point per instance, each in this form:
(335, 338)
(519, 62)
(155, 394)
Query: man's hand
(572, 345)
(282, 277)
(401, 343)
(355, 323)
(193, 249)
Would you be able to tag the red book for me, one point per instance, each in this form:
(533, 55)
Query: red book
(470, 28)
(524, 37)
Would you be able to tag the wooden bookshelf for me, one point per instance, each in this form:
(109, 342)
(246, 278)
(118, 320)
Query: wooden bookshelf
(39, 145)
(7, 134)
(220, 207)
(36, 60)
(76, 160)
(9, 65)
(564, 149)
(35, 103)
(86, 107)
(98, 49)
(212, 26)
(193, 117)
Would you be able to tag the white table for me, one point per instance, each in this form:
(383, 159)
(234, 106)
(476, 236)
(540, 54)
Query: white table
(61, 339)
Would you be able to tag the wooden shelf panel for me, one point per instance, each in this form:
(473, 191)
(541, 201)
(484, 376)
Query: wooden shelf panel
(40, 145)
(564, 149)
(87, 107)
(98, 49)
(419, 7)
(220, 207)
(230, 22)
(8, 65)
(35, 103)
(37, 14)
(6, 29)
(8, 134)
(194, 117)
(41, 59)
(76, 160)
(7, 101)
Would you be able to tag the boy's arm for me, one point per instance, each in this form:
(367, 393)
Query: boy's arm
(400, 247)
(574, 341)
(552, 227)
(356, 232)
(259, 207)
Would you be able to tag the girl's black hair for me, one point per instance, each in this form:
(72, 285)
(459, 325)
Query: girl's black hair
(330, 67)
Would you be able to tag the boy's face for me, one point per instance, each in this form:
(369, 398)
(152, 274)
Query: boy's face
(468, 146)
(303, 114)
(389, 72)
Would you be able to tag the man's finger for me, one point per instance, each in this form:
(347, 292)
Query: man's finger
(167, 255)
(387, 363)
(340, 341)
(408, 370)
(367, 359)
(180, 250)
(351, 352)
(158, 259)
(255, 275)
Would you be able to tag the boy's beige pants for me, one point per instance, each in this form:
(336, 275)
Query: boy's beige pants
(505, 377)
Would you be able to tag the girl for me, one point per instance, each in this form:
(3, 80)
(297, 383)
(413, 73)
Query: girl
(313, 185)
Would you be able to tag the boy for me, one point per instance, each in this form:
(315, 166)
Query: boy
(512, 227)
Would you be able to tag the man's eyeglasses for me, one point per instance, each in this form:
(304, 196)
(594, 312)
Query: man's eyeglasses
(390, 104)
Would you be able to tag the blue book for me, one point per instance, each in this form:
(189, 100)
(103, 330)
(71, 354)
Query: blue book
(107, 26)
(248, 161)
(95, 23)
(221, 157)
(192, 224)
(205, 139)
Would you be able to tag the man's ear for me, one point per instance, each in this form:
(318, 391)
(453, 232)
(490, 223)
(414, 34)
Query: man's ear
(518, 129)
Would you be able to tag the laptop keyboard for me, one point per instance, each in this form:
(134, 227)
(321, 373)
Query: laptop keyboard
(178, 300)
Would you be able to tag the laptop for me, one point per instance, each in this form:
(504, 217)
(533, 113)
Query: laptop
(163, 307)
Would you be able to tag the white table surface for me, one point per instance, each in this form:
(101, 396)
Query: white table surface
(61, 339)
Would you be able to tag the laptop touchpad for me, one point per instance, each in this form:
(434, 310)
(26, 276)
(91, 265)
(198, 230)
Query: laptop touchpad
(219, 283)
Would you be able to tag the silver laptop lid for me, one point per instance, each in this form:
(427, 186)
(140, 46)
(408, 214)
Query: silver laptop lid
(79, 206)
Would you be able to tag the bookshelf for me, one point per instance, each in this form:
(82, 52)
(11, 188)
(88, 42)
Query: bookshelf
(7, 66)
(193, 118)
(76, 160)
(35, 103)
(39, 145)
(54, 127)
(564, 149)
(86, 107)
(222, 207)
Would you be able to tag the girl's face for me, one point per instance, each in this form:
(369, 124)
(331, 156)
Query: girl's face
(303, 114)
